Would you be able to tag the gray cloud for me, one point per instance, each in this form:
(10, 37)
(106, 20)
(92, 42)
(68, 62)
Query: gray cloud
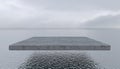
(75, 4)
(109, 21)
(55, 13)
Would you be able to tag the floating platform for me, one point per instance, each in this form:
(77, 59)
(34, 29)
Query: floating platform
(59, 43)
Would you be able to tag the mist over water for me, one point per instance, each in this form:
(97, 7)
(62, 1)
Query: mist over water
(13, 59)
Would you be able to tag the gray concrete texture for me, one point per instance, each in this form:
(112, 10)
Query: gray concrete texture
(59, 43)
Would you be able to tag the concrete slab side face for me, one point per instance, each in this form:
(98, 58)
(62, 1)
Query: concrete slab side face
(59, 43)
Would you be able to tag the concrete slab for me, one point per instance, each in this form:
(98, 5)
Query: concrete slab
(59, 43)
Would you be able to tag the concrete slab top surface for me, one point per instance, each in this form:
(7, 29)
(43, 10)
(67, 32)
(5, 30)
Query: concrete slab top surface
(59, 43)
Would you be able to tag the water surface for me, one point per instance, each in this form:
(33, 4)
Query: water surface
(108, 59)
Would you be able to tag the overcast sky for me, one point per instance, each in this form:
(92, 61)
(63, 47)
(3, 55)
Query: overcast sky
(59, 13)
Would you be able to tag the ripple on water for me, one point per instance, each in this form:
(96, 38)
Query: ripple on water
(59, 60)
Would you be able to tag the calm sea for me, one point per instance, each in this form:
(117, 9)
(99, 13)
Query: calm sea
(108, 59)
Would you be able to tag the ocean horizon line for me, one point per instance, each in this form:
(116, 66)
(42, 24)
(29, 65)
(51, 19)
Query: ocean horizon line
(58, 28)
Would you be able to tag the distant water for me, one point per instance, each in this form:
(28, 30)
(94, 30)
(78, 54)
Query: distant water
(108, 59)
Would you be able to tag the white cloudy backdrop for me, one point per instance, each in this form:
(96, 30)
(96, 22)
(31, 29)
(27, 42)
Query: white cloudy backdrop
(59, 13)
